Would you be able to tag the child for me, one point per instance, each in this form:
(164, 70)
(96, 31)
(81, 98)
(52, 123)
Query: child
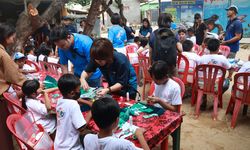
(105, 112)
(116, 34)
(143, 49)
(181, 39)
(191, 35)
(204, 46)
(29, 53)
(137, 42)
(193, 58)
(167, 92)
(40, 111)
(20, 59)
(45, 54)
(70, 121)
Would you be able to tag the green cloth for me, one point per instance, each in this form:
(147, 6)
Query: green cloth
(50, 82)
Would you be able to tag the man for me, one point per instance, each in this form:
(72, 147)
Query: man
(234, 31)
(76, 48)
(67, 23)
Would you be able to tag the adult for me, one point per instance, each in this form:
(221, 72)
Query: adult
(67, 23)
(116, 34)
(200, 29)
(234, 31)
(9, 74)
(130, 33)
(115, 68)
(145, 29)
(155, 44)
(76, 48)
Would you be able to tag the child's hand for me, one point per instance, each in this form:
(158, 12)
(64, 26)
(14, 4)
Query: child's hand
(139, 132)
(153, 99)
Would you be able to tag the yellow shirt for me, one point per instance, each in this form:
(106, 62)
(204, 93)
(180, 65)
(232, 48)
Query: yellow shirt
(9, 73)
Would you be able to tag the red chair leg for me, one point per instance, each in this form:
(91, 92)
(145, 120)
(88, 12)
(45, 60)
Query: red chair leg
(143, 91)
(230, 105)
(235, 113)
(164, 144)
(220, 99)
(194, 96)
(198, 103)
(216, 101)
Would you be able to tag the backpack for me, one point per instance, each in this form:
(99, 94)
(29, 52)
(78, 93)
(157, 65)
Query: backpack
(165, 46)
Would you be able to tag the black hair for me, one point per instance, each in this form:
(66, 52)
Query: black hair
(182, 30)
(190, 30)
(144, 41)
(29, 87)
(6, 30)
(105, 112)
(187, 45)
(28, 48)
(68, 83)
(43, 50)
(115, 19)
(159, 70)
(164, 20)
(205, 41)
(137, 39)
(146, 20)
(197, 16)
(59, 33)
(213, 45)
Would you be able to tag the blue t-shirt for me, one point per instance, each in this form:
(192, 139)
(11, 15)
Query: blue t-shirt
(117, 35)
(120, 71)
(144, 31)
(233, 27)
(79, 55)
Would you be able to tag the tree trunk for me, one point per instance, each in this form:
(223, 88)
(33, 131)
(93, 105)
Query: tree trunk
(25, 27)
(106, 7)
(121, 9)
(92, 16)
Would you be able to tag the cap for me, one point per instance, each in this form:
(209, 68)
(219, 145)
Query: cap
(234, 8)
(18, 55)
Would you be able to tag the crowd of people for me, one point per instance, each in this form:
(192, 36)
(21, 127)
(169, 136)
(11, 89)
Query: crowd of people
(93, 59)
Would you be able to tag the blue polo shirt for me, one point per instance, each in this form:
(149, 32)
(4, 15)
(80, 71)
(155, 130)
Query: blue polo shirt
(117, 35)
(79, 55)
(120, 71)
(233, 26)
(144, 31)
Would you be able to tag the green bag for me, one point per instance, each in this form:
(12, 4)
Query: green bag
(50, 82)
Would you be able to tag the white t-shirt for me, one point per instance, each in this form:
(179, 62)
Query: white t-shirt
(41, 115)
(27, 67)
(50, 59)
(92, 142)
(245, 67)
(133, 58)
(170, 92)
(215, 59)
(193, 39)
(31, 58)
(69, 120)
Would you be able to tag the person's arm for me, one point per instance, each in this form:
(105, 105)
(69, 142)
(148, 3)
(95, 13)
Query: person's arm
(83, 80)
(47, 101)
(51, 90)
(113, 88)
(83, 101)
(162, 102)
(234, 39)
(179, 47)
(139, 134)
(63, 61)
(64, 69)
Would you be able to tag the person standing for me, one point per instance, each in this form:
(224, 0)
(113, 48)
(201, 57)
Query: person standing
(9, 74)
(234, 31)
(76, 48)
(200, 29)
(117, 35)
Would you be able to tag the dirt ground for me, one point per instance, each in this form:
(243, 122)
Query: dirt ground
(205, 134)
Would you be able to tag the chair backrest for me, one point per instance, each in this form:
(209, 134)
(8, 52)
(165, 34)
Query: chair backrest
(209, 78)
(225, 50)
(131, 49)
(31, 63)
(50, 68)
(25, 130)
(14, 104)
(183, 67)
(241, 87)
(144, 64)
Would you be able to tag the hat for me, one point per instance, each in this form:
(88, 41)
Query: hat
(18, 55)
(234, 8)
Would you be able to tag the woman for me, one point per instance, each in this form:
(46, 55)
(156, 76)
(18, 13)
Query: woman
(145, 29)
(115, 68)
(8, 75)
(200, 29)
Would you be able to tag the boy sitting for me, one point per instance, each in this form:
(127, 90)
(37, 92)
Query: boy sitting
(20, 59)
(105, 112)
(29, 53)
(70, 121)
(167, 92)
(191, 35)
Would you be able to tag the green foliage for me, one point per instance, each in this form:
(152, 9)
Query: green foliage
(82, 2)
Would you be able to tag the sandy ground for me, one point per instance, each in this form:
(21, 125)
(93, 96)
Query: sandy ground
(205, 134)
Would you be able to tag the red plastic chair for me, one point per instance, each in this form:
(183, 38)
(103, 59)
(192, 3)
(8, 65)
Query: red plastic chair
(144, 64)
(182, 61)
(225, 50)
(50, 68)
(240, 95)
(14, 104)
(25, 130)
(31, 63)
(133, 49)
(206, 79)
